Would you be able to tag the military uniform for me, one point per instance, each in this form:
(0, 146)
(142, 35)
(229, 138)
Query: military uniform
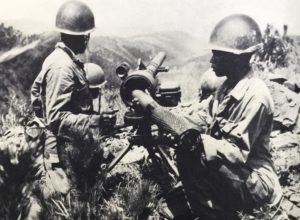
(68, 102)
(61, 92)
(239, 174)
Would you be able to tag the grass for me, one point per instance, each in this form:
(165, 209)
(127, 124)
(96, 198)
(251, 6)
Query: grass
(135, 200)
(17, 110)
(130, 191)
(124, 195)
(133, 194)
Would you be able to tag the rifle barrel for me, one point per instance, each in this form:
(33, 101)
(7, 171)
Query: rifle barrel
(156, 62)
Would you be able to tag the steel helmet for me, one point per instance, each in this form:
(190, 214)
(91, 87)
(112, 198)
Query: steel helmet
(236, 34)
(94, 74)
(75, 18)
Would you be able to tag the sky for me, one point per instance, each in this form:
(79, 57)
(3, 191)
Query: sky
(131, 17)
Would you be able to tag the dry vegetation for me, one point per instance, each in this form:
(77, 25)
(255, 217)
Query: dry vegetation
(131, 190)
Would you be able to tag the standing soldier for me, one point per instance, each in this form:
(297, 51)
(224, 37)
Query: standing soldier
(61, 96)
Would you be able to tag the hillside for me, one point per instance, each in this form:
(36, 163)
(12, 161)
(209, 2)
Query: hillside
(18, 74)
(131, 190)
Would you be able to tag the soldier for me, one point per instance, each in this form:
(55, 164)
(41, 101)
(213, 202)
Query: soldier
(95, 77)
(208, 84)
(238, 174)
(197, 113)
(61, 96)
(230, 168)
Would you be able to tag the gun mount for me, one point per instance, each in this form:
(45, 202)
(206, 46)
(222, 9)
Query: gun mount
(140, 88)
(167, 94)
(144, 78)
(141, 92)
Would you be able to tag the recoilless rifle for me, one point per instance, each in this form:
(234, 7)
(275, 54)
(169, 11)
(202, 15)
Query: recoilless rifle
(147, 101)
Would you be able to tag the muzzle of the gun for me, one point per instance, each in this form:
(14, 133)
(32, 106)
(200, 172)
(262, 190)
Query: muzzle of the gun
(154, 66)
(123, 70)
(144, 79)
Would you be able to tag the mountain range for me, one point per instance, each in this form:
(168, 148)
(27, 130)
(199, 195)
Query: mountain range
(18, 73)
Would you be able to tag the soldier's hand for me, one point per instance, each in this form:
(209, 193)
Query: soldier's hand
(210, 145)
(108, 119)
(94, 121)
(142, 100)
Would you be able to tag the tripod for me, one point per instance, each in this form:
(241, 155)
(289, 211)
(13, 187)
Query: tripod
(142, 135)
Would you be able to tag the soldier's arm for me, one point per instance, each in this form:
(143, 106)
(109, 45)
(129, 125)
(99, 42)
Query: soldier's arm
(239, 137)
(62, 121)
(35, 96)
(199, 114)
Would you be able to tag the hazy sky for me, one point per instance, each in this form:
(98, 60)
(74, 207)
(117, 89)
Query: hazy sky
(126, 17)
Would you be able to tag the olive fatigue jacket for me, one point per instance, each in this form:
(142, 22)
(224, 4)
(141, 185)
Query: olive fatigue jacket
(242, 122)
(68, 102)
(60, 94)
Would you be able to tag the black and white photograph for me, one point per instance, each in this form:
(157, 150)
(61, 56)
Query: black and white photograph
(149, 110)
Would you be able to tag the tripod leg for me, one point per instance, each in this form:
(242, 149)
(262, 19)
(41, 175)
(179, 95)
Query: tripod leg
(167, 161)
(117, 159)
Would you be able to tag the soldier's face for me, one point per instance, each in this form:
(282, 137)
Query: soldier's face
(78, 43)
(86, 40)
(84, 43)
(81, 43)
(221, 62)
